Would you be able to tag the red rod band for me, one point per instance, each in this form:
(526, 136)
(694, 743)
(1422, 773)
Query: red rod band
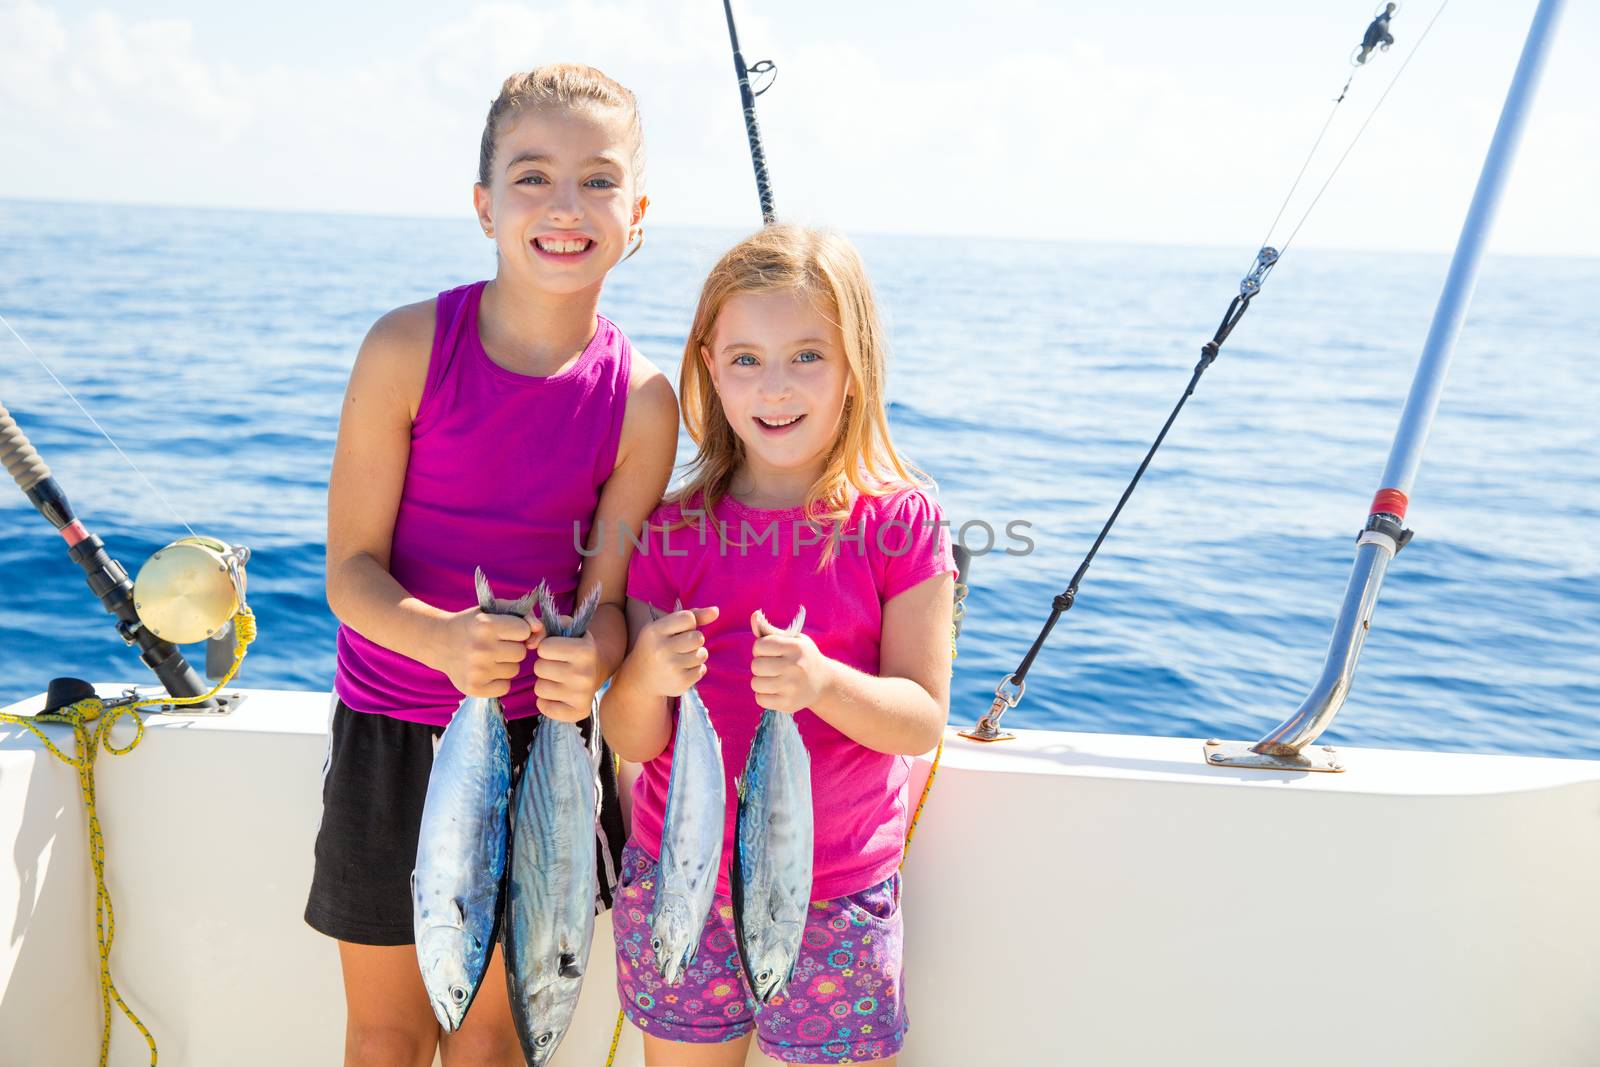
(73, 532)
(1391, 501)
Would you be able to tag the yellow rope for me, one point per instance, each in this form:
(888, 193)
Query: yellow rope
(91, 723)
(927, 787)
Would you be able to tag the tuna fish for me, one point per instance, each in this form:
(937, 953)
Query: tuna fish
(551, 903)
(691, 840)
(461, 847)
(770, 874)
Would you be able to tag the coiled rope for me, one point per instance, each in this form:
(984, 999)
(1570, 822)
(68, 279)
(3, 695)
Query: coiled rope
(92, 721)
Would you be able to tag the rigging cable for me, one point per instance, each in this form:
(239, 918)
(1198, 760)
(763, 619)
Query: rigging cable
(1009, 692)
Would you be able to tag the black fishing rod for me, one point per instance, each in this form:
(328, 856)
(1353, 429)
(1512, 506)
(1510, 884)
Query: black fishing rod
(106, 577)
(191, 590)
(1011, 688)
(747, 98)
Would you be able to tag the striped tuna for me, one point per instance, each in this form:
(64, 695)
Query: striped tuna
(551, 902)
(770, 874)
(461, 846)
(691, 840)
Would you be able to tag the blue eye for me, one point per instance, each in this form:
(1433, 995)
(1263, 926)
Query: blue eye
(601, 183)
(810, 355)
(741, 360)
(531, 179)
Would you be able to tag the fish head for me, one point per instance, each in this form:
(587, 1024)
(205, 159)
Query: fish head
(673, 938)
(772, 960)
(553, 1006)
(443, 953)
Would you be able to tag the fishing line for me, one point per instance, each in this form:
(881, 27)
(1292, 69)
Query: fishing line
(1009, 692)
(1370, 116)
(1348, 149)
(96, 424)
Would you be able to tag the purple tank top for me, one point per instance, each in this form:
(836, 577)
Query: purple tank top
(503, 467)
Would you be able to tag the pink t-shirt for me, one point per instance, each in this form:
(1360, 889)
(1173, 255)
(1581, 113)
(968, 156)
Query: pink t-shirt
(889, 544)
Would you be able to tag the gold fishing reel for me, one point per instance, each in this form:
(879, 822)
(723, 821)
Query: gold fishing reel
(192, 589)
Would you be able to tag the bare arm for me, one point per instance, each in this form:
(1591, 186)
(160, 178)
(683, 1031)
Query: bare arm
(901, 712)
(571, 670)
(665, 657)
(479, 653)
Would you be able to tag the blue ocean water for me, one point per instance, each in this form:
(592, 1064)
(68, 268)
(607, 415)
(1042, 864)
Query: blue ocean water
(1027, 378)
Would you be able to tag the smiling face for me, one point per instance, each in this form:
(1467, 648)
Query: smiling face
(560, 202)
(782, 376)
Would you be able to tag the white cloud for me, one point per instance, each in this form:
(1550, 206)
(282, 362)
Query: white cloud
(1028, 123)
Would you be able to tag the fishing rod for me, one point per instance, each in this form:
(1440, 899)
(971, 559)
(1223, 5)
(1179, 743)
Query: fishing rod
(1285, 747)
(1010, 690)
(747, 98)
(191, 590)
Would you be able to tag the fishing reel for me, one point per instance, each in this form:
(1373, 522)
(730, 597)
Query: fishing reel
(191, 591)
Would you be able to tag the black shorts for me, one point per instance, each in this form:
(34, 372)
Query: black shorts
(374, 781)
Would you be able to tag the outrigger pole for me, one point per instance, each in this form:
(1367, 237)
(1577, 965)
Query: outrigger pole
(747, 98)
(107, 578)
(1284, 747)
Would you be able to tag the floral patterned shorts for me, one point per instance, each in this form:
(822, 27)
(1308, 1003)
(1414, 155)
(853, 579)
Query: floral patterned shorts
(843, 1005)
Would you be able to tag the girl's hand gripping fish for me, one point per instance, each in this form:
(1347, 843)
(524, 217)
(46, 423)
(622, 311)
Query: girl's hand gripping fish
(551, 903)
(770, 875)
(461, 847)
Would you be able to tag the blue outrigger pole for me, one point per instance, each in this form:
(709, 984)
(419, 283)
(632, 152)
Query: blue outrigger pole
(1284, 748)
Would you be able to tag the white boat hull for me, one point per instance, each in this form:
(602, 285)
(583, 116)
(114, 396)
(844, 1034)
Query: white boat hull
(1084, 898)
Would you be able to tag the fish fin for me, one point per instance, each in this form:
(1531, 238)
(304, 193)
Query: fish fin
(585, 613)
(569, 965)
(485, 594)
(548, 613)
(524, 605)
(493, 605)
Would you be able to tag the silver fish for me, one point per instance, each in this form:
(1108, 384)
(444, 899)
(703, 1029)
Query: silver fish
(551, 902)
(461, 846)
(691, 840)
(772, 850)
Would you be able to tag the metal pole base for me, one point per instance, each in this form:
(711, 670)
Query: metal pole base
(983, 731)
(1241, 754)
(221, 704)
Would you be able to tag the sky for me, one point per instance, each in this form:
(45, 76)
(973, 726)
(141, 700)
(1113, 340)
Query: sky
(1149, 121)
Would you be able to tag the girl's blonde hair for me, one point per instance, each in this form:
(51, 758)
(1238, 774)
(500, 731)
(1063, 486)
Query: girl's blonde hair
(828, 269)
(560, 85)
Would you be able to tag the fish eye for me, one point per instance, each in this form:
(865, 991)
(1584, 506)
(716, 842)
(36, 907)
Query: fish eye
(655, 944)
(763, 976)
(543, 1039)
(459, 994)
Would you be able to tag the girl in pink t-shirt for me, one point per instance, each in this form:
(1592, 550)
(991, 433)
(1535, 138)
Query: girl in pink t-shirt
(797, 498)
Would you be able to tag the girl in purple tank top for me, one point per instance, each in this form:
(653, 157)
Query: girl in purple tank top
(503, 425)
(796, 500)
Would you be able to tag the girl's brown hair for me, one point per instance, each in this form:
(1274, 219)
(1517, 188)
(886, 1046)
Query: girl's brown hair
(828, 269)
(560, 85)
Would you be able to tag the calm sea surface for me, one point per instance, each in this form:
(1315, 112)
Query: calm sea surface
(1027, 378)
